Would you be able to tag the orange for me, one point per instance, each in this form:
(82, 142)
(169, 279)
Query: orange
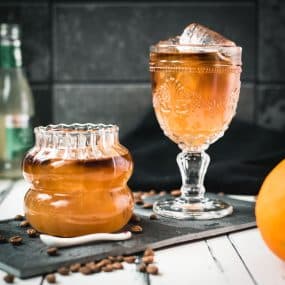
(270, 210)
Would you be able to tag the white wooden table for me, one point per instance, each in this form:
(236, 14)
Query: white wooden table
(239, 258)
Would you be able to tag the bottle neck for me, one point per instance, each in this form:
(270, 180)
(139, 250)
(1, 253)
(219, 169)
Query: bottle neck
(10, 55)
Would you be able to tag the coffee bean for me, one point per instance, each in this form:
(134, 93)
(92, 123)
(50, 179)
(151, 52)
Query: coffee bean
(63, 271)
(51, 278)
(147, 206)
(32, 233)
(136, 229)
(52, 251)
(153, 217)
(24, 224)
(175, 193)
(152, 269)
(75, 267)
(130, 259)
(148, 259)
(142, 267)
(103, 263)
(107, 268)
(162, 193)
(90, 264)
(152, 192)
(135, 219)
(16, 240)
(9, 278)
(117, 266)
(148, 252)
(19, 218)
(2, 239)
(95, 268)
(85, 270)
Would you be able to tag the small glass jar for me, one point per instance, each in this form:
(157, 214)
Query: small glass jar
(78, 175)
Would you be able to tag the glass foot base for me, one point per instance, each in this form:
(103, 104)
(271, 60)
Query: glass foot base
(199, 209)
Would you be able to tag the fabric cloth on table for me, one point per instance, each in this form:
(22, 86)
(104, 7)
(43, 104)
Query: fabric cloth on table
(240, 160)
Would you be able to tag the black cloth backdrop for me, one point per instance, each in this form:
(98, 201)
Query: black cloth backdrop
(240, 160)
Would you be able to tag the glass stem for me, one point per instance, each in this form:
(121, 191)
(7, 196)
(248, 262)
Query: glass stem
(193, 167)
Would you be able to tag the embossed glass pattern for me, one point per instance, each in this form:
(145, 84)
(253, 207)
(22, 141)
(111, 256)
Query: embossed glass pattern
(195, 94)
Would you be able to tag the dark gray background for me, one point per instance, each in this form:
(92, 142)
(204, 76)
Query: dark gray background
(88, 60)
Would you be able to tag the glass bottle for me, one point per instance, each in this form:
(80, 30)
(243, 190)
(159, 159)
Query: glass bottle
(16, 104)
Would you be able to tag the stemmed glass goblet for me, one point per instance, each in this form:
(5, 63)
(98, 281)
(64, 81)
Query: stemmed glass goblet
(195, 93)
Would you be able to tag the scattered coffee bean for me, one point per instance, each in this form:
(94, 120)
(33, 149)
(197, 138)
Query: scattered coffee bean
(51, 278)
(16, 240)
(148, 259)
(142, 267)
(107, 268)
(2, 239)
(147, 206)
(85, 270)
(103, 263)
(52, 251)
(32, 233)
(153, 217)
(24, 224)
(119, 258)
(175, 193)
(63, 271)
(130, 259)
(148, 252)
(139, 202)
(135, 219)
(9, 278)
(19, 218)
(136, 229)
(152, 269)
(95, 268)
(117, 266)
(90, 264)
(75, 267)
(221, 194)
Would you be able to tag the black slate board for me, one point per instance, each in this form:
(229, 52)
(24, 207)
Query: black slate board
(30, 259)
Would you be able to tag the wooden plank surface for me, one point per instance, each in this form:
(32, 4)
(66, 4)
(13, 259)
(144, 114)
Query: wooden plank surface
(263, 265)
(14, 201)
(228, 262)
(187, 264)
(127, 276)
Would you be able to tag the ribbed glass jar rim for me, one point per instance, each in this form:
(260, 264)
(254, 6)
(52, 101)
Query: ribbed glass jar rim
(86, 128)
(94, 137)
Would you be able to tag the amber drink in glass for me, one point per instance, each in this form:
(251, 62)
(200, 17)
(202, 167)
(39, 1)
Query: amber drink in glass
(78, 178)
(195, 93)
